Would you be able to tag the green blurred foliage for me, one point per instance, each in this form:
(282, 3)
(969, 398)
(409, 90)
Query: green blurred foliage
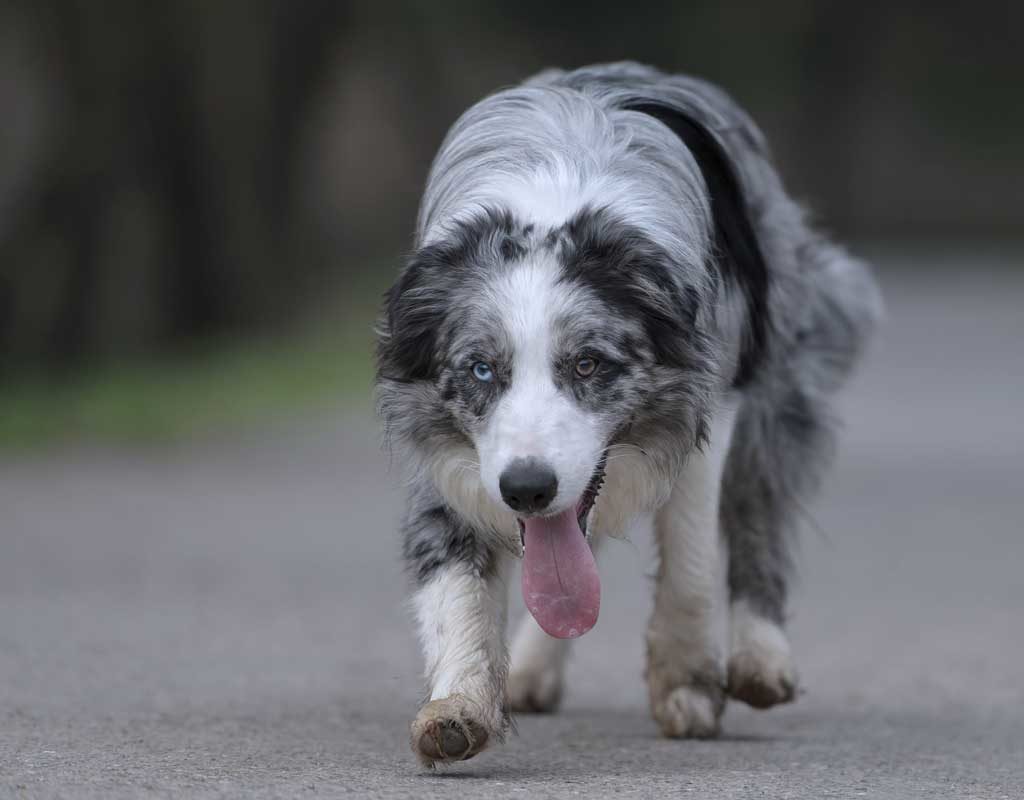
(225, 388)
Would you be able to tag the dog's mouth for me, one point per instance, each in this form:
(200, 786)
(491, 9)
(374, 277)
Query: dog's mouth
(561, 585)
(589, 498)
(584, 505)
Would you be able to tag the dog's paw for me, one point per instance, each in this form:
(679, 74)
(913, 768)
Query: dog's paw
(760, 669)
(685, 704)
(688, 712)
(761, 679)
(535, 691)
(448, 729)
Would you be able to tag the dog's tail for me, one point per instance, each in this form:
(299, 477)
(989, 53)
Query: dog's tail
(846, 311)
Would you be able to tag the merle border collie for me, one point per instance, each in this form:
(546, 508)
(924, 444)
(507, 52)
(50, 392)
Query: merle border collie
(614, 312)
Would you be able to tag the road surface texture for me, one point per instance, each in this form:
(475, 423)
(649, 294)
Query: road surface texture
(225, 619)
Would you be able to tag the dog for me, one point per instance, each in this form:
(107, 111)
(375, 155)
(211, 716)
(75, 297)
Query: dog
(613, 312)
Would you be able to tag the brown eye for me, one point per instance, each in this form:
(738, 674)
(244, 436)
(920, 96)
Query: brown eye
(586, 367)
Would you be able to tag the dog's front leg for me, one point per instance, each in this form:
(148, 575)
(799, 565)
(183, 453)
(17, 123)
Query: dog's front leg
(684, 671)
(460, 605)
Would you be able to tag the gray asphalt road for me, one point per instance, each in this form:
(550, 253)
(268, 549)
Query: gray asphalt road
(226, 620)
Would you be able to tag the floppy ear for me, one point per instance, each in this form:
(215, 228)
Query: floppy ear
(416, 306)
(738, 257)
(413, 313)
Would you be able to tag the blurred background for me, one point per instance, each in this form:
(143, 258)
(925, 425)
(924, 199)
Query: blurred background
(200, 203)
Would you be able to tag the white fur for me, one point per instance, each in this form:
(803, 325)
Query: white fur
(633, 486)
(461, 619)
(687, 532)
(680, 636)
(534, 419)
(753, 633)
(456, 474)
(685, 711)
(759, 651)
(538, 663)
(535, 651)
(552, 197)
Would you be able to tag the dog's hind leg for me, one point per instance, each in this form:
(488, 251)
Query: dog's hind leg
(460, 607)
(684, 672)
(535, 679)
(779, 449)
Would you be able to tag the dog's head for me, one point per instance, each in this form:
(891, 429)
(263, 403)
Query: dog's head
(520, 346)
(527, 353)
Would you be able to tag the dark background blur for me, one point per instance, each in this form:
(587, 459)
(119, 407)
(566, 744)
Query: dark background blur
(181, 179)
(200, 204)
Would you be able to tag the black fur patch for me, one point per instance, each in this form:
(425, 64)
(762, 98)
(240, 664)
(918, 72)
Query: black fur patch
(435, 537)
(739, 259)
(631, 274)
(416, 305)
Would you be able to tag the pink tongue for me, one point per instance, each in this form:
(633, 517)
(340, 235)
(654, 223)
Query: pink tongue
(561, 586)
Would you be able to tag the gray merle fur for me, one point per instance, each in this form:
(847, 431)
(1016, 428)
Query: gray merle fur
(700, 278)
(737, 254)
(433, 536)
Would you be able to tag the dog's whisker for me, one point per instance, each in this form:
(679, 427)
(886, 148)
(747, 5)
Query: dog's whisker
(619, 451)
(618, 457)
(626, 446)
(465, 466)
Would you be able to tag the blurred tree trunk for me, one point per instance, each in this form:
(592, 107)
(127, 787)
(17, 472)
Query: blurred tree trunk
(164, 215)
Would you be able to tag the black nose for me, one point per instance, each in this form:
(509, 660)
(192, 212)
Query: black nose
(528, 485)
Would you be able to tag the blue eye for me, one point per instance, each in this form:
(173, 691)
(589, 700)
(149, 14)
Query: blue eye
(483, 372)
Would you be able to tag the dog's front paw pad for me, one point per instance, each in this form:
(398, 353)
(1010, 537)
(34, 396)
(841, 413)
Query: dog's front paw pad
(535, 691)
(445, 730)
(762, 679)
(687, 712)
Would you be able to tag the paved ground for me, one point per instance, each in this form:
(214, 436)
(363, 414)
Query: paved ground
(226, 620)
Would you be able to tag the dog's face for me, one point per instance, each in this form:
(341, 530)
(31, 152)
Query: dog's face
(539, 381)
(522, 355)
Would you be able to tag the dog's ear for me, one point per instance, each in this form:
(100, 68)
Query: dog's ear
(407, 348)
(416, 306)
(738, 257)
